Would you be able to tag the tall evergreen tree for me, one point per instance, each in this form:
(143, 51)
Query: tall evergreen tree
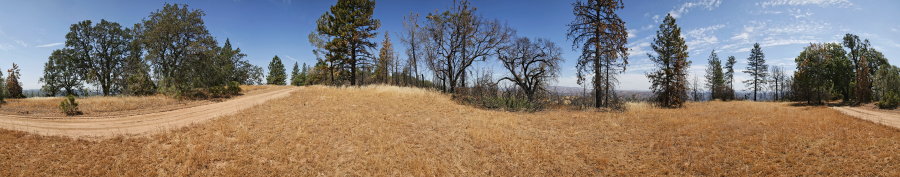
(350, 26)
(669, 81)
(601, 35)
(729, 77)
(13, 86)
(385, 59)
(715, 78)
(276, 72)
(295, 75)
(758, 70)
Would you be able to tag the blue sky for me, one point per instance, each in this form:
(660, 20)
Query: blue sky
(30, 30)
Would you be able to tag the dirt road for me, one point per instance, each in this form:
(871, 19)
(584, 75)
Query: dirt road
(99, 127)
(884, 118)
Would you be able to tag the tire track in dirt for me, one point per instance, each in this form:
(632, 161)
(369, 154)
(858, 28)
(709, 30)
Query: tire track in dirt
(139, 124)
(884, 118)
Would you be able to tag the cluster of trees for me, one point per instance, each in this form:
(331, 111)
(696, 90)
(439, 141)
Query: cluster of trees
(170, 52)
(829, 72)
(446, 43)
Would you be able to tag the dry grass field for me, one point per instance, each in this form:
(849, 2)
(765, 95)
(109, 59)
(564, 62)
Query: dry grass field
(104, 105)
(391, 131)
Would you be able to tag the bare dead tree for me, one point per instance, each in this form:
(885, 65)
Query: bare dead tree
(531, 64)
(457, 39)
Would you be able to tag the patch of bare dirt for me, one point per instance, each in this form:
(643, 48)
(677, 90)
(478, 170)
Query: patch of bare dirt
(139, 122)
(870, 113)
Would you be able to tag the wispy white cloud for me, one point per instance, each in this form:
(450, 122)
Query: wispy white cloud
(291, 58)
(799, 13)
(638, 49)
(50, 45)
(686, 7)
(22, 43)
(822, 3)
(704, 36)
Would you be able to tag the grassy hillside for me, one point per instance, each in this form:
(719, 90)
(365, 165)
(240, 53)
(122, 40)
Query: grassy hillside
(322, 131)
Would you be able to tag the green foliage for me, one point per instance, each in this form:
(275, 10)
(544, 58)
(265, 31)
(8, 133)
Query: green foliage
(233, 88)
(822, 71)
(348, 27)
(669, 80)
(61, 73)
(729, 78)
(13, 86)
(887, 80)
(601, 35)
(890, 100)
(715, 78)
(100, 51)
(276, 72)
(757, 69)
(182, 53)
(69, 106)
(296, 77)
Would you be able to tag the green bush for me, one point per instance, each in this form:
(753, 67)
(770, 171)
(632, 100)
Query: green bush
(69, 106)
(890, 100)
(233, 88)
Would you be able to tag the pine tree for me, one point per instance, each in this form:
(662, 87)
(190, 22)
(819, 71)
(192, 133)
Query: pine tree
(729, 77)
(295, 75)
(669, 81)
(602, 36)
(276, 72)
(385, 59)
(350, 25)
(13, 86)
(715, 78)
(758, 70)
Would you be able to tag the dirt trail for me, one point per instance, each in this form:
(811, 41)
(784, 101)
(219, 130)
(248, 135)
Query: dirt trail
(884, 118)
(138, 124)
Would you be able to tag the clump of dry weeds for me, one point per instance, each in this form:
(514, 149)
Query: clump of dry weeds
(391, 131)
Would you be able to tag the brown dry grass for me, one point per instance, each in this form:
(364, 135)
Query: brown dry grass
(105, 105)
(390, 131)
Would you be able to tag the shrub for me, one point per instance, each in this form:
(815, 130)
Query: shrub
(69, 106)
(233, 88)
(890, 100)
